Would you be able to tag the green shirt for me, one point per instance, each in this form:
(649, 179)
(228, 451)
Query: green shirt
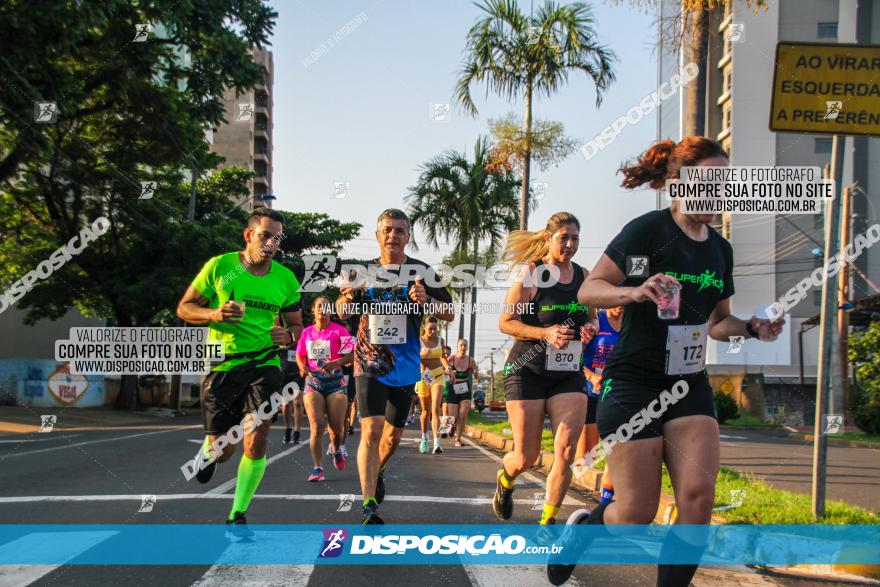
(247, 343)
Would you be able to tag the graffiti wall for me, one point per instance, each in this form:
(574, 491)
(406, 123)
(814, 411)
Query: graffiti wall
(48, 383)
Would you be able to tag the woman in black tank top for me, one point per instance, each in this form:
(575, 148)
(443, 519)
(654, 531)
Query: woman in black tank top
(542, 373)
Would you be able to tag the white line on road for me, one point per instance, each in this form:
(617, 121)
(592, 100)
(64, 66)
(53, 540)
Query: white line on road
(280, 575)
(38, 439)
(790, 429)
(530, 476)
(480, 501)
(115, 439)
(227, 485)
(53, 545)
(728, 437)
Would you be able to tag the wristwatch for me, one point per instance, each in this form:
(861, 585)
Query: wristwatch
(750, 331)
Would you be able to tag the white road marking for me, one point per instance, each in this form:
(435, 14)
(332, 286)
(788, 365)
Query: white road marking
(790, 429)
(728, 437)
(567, 500)
(53, 544)
(475, 501)
(227, 485)
(38, 439)
(115, 439)
(500, 576)
(223, 573)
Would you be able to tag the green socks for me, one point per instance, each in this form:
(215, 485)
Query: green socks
(549, 513)
(250, 473)
(206, 449)
(371, 501)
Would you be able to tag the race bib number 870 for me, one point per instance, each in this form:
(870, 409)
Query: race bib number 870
(568, 358)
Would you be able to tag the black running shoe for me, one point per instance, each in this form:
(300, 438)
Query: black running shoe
(286, 438)
(558, 574)
(502, 503)
(371, 515)
(237, 529)
(380, 487)
(205, 475)
(296, 437)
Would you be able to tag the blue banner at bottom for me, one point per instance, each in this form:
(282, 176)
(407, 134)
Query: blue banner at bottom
(439, 544)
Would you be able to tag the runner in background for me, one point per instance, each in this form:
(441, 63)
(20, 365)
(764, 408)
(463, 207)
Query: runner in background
(319, 354)
(678, 274)
(351, 411)
(289, 412)
(430, 388)
(464, 372)
(543, 369)
(447, 387)
(596, 352)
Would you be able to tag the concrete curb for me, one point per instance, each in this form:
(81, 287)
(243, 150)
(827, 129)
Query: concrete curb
(835, 441)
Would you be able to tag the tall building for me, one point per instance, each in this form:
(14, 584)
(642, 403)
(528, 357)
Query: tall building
(246, 138)
(773, 252)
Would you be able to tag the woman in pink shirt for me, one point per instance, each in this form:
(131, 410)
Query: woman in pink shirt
(323, 349)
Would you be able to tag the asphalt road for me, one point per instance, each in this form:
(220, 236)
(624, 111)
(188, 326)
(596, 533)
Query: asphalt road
(96, 473)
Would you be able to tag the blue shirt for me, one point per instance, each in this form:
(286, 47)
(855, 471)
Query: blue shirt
(597, 351)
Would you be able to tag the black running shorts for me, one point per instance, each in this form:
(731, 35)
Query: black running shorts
(620, 406)
(526, 384)
(227, 396)
(592, 407)
(374, 398)
(457, 398)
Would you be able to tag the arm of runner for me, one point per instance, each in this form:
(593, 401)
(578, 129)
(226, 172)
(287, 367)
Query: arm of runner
(592, 377)
(303, 364)
(599, 289)
(723, 324)
(475, 368)
(191, 309)
(438, 296)
(518, 295)
(342, 361)
(294, 325)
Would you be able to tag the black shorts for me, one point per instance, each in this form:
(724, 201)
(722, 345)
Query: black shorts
(526, 384)
(592, 407)
(374, 398)
(457, 398)
(228, 395)
(620, 404)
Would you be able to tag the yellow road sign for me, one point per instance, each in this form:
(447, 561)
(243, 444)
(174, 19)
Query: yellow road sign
(826, 88)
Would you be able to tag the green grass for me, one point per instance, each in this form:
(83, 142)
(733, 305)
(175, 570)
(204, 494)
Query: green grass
(478, 421)
(746, 420)
(871, 438)
(764, 504)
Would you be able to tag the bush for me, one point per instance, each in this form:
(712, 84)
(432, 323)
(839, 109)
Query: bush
(864, 353)
(725, 408)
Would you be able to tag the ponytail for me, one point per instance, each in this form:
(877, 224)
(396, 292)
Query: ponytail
(525, 246)
(665, 159)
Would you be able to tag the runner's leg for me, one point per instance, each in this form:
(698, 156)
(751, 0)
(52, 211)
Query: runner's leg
(526, 419)
(567, 413)
(337, 406)
(315, 407)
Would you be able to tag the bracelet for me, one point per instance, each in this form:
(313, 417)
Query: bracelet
(750, 331)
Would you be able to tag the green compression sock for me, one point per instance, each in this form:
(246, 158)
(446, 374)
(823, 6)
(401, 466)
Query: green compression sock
(250, 473)
(206, 449)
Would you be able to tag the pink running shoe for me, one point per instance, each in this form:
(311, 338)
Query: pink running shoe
(339, 460)
(317, 474)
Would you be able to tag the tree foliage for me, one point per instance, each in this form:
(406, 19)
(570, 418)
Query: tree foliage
(864, 353)
(549, 145)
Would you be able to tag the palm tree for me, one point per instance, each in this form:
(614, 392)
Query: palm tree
(518, 55)
(459, 201)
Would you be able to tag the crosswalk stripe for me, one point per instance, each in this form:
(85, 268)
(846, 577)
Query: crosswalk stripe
(222, 574)
(53, 544)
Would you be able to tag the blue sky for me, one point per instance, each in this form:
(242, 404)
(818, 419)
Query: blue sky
(360, 113)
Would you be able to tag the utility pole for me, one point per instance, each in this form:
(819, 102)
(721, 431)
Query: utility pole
(842, 299)
(492, 374)
(826, 334)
